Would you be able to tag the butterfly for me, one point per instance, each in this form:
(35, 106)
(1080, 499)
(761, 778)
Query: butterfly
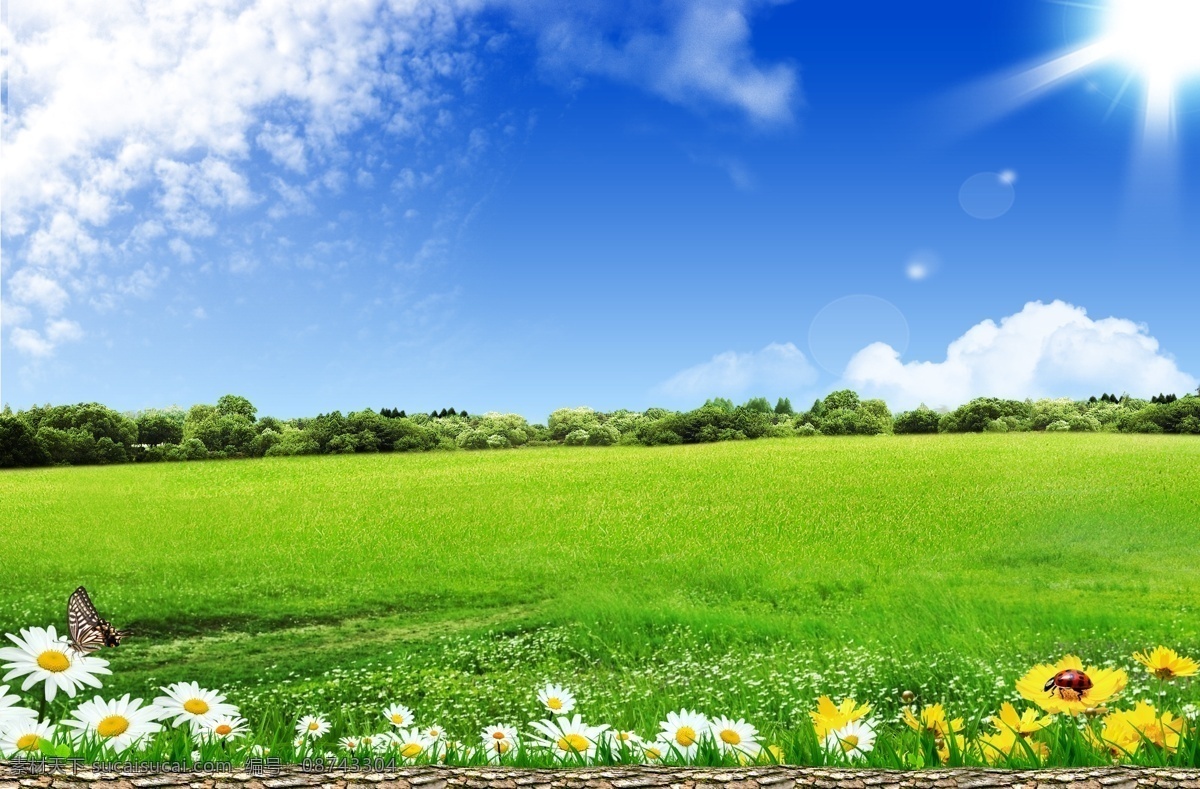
(88, 631)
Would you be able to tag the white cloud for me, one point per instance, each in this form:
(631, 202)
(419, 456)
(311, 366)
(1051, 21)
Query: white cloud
(1045, 350)
(136, 128)
(63, 330)
(29, 286)
(29, 342)
(690, 53)
(779, 368)
(13, 314)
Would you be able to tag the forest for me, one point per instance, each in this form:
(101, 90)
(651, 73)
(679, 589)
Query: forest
(90, 433)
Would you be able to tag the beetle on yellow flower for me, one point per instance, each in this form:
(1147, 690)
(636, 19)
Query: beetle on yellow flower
(1105, 684)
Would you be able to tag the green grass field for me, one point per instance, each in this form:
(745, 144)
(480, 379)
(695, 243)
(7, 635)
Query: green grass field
(745, 578)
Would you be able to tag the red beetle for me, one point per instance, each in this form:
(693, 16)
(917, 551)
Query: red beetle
(1069, 680)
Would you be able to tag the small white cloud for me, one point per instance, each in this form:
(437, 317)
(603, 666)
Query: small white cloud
(29, 286)
(284, 146)
(199, 313)
(778, 368)
(1045, 350)
(63, 330)
(33, 343)
(30, 342)
(695, 53)
(13, 314)
(1008, 176)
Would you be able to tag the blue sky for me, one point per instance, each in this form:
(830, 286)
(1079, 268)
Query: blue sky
(511, 206)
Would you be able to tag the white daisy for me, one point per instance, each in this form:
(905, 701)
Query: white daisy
(349, 743)
(375, 742)
(399, 716)
(10, 713)
(225, 728)
(569, 739)
(854, 740)
(187, 701)
(435, 732)
(313, 726)
(116, 723)
(557, 699)
(655, 752)
(735, 736)
(47, 657)
(410, 744)
(498, 742)
(682, 732)
(24, 736)
(622, 740)
(195, 757)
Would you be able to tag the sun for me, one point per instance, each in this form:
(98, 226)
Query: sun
(1160, 39)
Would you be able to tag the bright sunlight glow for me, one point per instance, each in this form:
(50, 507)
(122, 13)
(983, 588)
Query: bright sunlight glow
(1159, 38)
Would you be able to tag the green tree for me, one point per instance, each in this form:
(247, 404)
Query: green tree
(723, 403)
(568, 420)
(156, 427)
(784, 407)
(229, 405)
(759, 404)
(921, 420)
(18, 444)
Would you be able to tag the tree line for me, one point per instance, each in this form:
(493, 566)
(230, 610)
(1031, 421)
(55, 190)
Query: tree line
(90, 433)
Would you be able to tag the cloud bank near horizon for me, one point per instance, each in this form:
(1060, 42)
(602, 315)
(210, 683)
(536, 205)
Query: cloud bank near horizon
(1045, 350)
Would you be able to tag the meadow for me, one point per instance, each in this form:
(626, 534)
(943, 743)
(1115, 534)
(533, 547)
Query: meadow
(743, 578)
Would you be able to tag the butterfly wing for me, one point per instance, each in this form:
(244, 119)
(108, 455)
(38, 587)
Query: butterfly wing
(88, 632)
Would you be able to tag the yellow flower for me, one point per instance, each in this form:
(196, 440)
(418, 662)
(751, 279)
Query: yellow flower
(1160, 728)
(1116, 736)
(943, 747)
(1166, 663)
(999, 746)
(1106, 683)
(1024, 724)
(933, 720)
(830, 717)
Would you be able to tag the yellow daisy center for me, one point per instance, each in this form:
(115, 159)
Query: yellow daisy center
(53, 660)
(623, 736)
(685, 736)
(849, 742)
(501, 746)
(367, 741)
(113, 726)
(499, 735)
(398, 719)
(28, 743)
(653, 753)
(435, 733)
(223, 729)
(730, 737)
(411, 750)
(196, 706)
(573, 743)
(554, 703)
(313, 726)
